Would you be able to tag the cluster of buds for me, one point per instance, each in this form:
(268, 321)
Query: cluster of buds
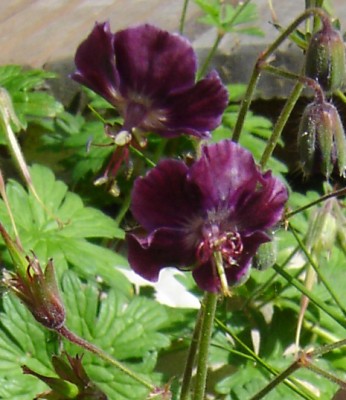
(321, 136)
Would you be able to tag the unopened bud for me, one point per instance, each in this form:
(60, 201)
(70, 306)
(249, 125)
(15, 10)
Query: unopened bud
(38, 290)
(325, 58)
(322, 231)
(321, 139)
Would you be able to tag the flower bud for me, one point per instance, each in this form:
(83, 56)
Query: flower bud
(325, 58)
(39, 292)
(323, 228)
(321, 139)
(37, 289)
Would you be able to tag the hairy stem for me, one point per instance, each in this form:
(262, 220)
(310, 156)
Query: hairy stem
(209, 304)
(261, 61)
(73, 338)
(191, 357)
(183, 17)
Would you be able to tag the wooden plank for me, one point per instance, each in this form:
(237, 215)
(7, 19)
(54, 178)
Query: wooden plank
(50, 30)
(36, 32)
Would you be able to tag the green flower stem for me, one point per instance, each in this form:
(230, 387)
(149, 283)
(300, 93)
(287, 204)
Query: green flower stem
(341, 95)
(123, 210)
(322, 333)
(183, 17)
(340, 319)
(245, 104)
(141, 155)
(261, 61)
(326, 375)
(221, 33)
(8, 116)
(281, 72)
(336, 193)
(191, 357)
(292, 383)
(280, 123)
(317, 270)
(309, 82)
(73, 338)
(210, 55)
(280, 378)
(209, 304)
(8, 209)
(327, 348)
(258, 291)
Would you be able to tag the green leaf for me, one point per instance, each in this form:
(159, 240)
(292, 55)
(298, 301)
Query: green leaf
(228, 18)
(22, 341)
(28, 91)
(61, 231)
(75, 137)
(127, 329)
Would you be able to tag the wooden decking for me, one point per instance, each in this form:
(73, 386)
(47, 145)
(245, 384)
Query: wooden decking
(36, 32)
(46, 33)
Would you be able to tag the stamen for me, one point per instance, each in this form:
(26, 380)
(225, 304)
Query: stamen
(123, 138)
(221, 272)
(138, 135)
(222, 249)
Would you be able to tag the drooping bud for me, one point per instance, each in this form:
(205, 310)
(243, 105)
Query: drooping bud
(321, 139)
(325, 58)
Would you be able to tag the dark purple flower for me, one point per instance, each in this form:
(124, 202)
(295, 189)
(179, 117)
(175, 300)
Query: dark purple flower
(149, 75)
(212, 214)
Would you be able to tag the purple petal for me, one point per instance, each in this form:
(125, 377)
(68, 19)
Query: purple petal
(206, 277)
(262, 208)
(164, 247)
(152, 62)
(164, 197)
(196, 110)
(224, 169)
(251, 244)
(95, 63)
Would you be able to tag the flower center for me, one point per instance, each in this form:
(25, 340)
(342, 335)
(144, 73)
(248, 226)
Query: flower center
(135, 114)
(228, 244)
